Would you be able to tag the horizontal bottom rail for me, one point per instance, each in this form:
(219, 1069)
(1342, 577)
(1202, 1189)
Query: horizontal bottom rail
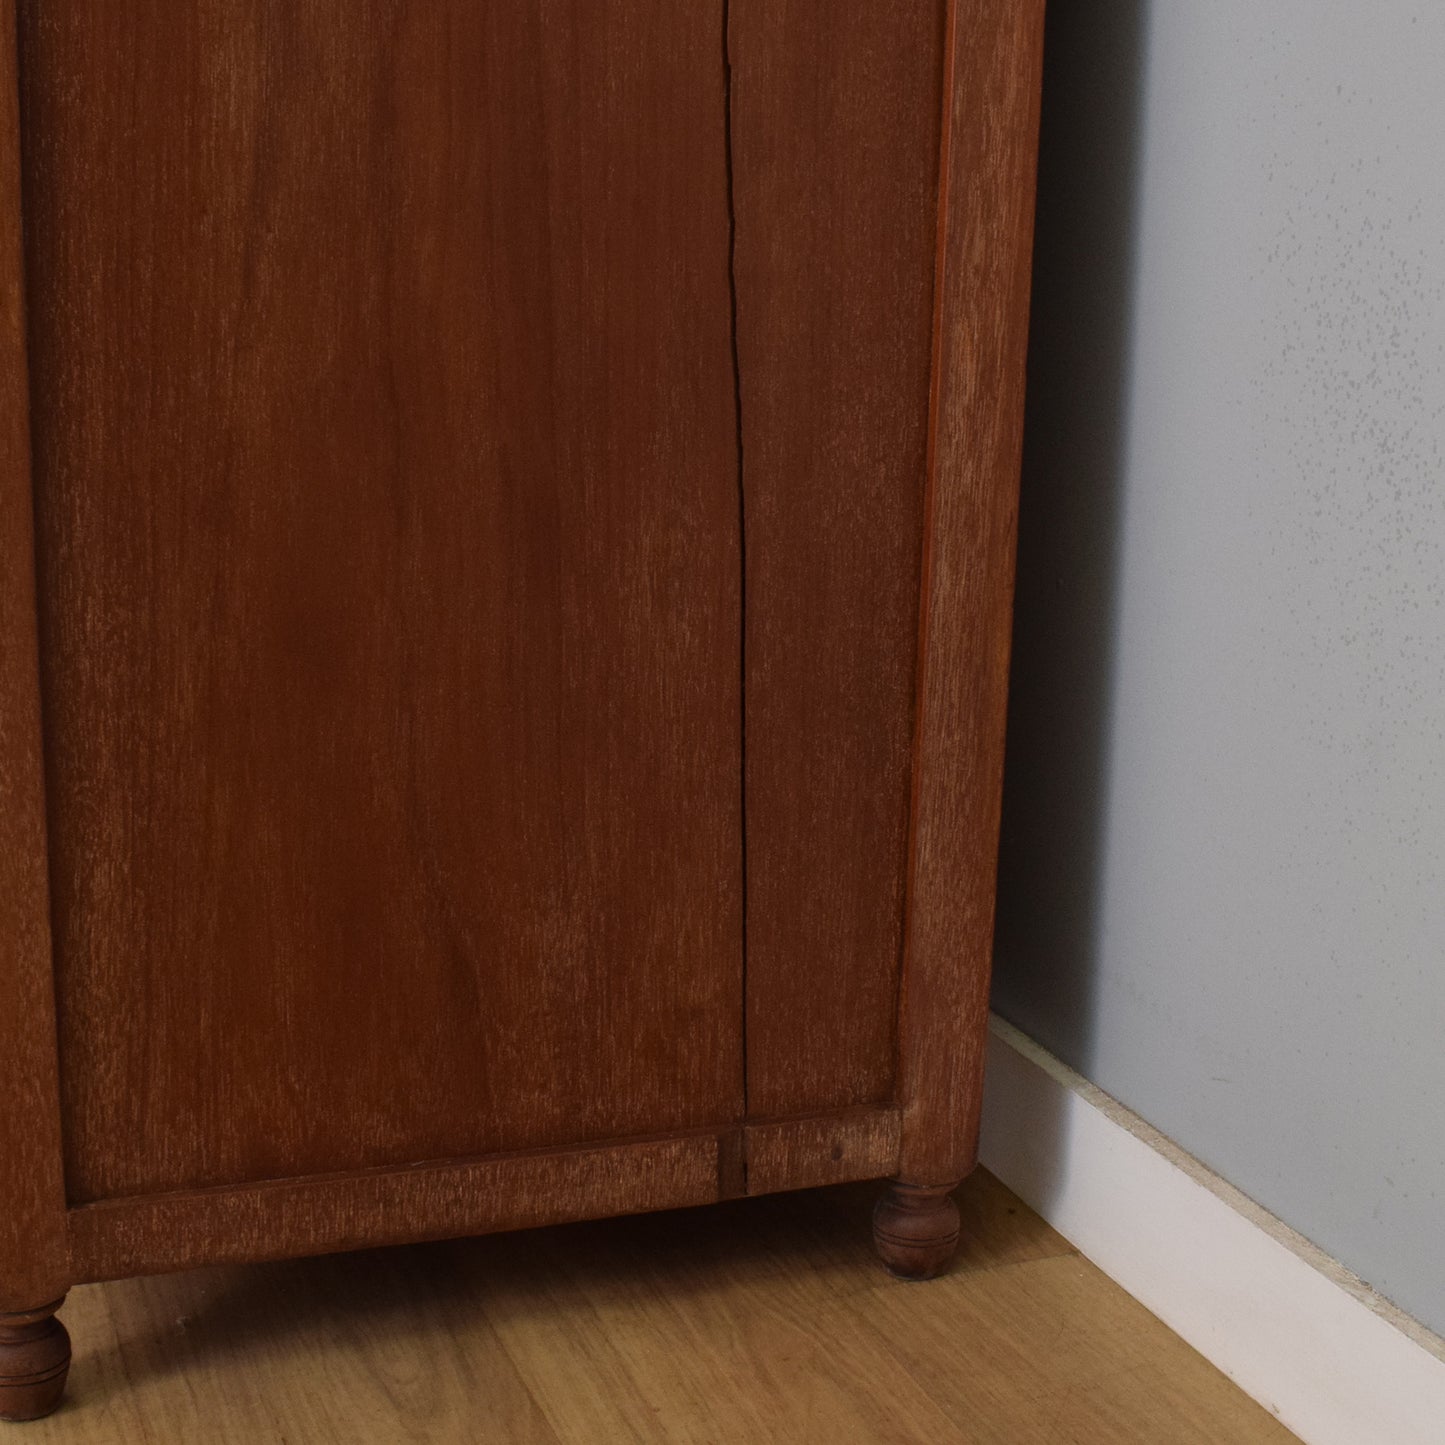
(283, 1218)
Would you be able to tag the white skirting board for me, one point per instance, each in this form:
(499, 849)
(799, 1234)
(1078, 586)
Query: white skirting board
(1337, 1363)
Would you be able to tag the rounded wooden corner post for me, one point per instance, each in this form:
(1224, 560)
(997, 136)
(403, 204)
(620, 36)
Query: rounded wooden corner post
(34, 1256)
(993, 57)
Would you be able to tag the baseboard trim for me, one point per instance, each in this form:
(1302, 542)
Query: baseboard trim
(1337, 1363)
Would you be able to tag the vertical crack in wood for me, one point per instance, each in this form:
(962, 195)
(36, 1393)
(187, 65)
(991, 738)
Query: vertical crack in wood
(727, 64)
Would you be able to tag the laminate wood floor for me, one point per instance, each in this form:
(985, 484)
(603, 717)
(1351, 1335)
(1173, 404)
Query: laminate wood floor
(762, 1321)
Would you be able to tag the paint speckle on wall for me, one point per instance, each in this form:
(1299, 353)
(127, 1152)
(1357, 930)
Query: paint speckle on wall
(1265, 939)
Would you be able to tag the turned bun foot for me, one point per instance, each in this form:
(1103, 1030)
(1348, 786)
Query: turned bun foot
(34, 1361)
(915, 1229)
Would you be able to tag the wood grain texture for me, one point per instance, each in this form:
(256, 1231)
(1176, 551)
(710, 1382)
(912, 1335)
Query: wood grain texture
(290, 1217)
(767, 1320)
(835, 164)
(832, 1149)
(282, 1218)
(971, 516)
(388, 530)
(804, 1153)
(33, 1266)
(389, 578)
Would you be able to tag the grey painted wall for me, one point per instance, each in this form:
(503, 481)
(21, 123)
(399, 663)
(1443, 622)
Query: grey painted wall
(1223, 883)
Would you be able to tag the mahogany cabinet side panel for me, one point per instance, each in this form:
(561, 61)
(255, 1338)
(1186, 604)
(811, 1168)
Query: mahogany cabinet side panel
(387, 514)
(835, 114)
(33, 1268)
(981, 334)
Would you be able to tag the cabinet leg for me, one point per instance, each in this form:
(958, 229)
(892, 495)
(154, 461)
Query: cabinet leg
(34, 1361)
(915, 1229)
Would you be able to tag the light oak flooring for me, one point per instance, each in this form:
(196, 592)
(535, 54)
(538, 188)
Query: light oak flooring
(762, 1321)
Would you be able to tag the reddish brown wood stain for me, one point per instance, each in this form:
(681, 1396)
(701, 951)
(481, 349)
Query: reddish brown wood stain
(388, 519)
(986, 206)
(500, 492)
(835, 166)
(33, 1264)
(389, 1206)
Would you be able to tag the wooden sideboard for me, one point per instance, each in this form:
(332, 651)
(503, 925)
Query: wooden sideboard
(506, 535)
